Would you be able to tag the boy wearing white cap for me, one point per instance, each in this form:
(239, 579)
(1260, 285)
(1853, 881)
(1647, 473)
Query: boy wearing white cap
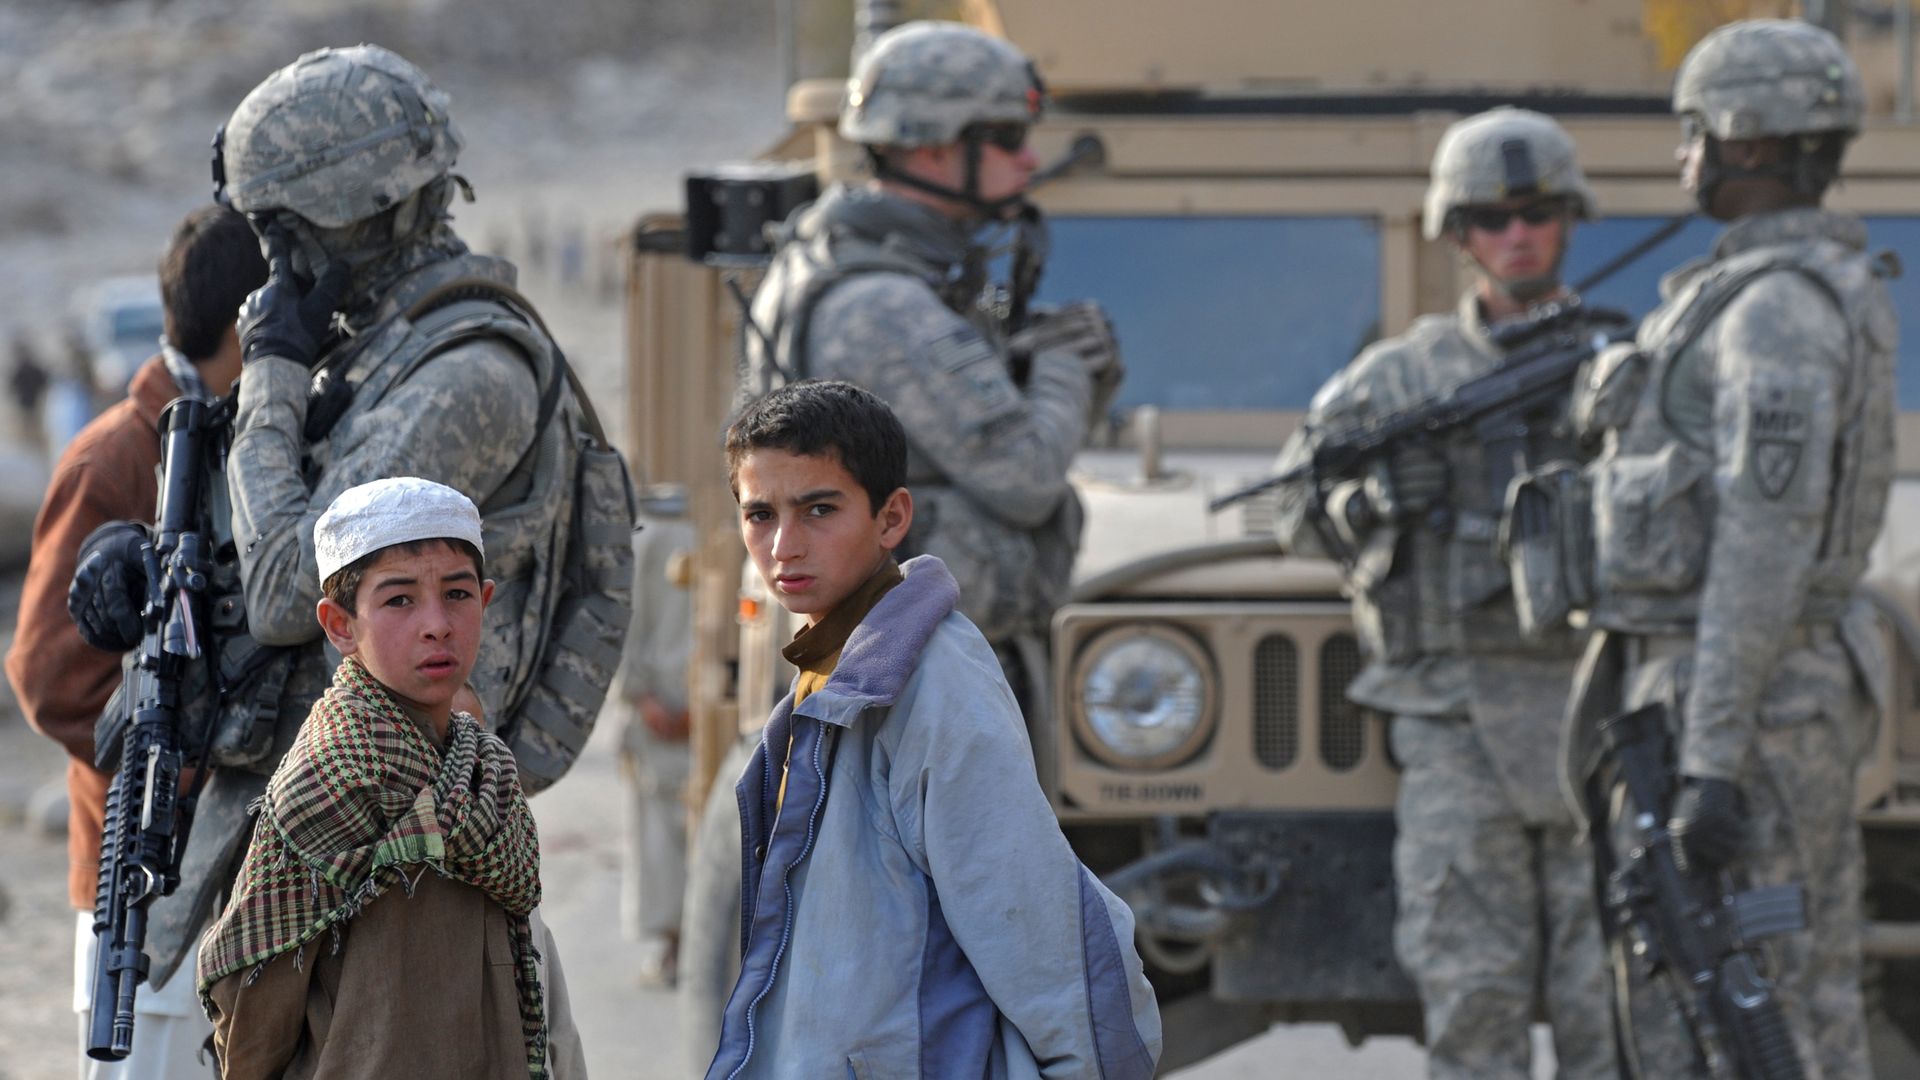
(385, 783)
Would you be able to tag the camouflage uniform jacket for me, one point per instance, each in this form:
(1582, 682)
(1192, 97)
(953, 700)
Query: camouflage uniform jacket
(884, 293)
(1424, 601)
(464, 418)
(1747, 462)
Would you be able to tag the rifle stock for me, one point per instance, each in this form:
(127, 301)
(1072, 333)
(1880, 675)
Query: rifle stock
(147, 817)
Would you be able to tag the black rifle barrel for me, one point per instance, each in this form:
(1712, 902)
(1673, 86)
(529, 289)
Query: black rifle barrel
(146, 823)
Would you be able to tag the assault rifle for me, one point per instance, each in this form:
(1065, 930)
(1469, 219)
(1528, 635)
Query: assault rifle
(1502, 406)
(1689, 925)
(147, 815)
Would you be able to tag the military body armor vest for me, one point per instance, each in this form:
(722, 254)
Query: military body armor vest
(824, 246)
(1441, 586)
(844, 236)
(1653, 491)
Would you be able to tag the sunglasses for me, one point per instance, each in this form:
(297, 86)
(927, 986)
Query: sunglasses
(1495, 219)
(1009, 137)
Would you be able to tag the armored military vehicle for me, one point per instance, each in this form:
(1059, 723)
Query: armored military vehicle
(1245, 201)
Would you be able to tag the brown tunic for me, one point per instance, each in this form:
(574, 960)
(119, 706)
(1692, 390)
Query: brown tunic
(422, 986)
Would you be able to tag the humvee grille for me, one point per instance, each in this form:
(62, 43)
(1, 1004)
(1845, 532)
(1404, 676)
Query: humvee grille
(1259, 514)
(1342, 723)
(1280, 736)
(1276, 701)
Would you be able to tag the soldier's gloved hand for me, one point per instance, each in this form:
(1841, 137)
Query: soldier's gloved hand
(1708, 824)
(279, 319)
(1080, 328)
(110, 587)
(1417, 473)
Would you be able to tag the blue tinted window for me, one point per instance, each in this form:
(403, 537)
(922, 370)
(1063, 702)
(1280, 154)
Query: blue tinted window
(1902, 236)
(1635, 289)
(1224, 312)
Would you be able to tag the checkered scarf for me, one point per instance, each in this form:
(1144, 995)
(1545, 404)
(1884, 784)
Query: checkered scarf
(363, 802)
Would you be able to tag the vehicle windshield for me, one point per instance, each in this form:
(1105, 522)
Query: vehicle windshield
(1257, 312)
(1224, 312)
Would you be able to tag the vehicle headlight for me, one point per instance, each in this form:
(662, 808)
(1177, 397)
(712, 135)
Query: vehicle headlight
(1144, 696)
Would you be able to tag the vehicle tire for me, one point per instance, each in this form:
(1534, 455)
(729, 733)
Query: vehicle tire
(710, 921)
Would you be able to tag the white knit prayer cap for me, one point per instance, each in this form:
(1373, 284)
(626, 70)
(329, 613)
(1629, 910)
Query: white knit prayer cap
(382, 513)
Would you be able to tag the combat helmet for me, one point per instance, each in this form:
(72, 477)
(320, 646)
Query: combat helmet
(925, 83)
(1500, 154)
(1766, 78)
(336, 137)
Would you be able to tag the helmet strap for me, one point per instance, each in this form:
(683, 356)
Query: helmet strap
(970, 149)
(969, 196)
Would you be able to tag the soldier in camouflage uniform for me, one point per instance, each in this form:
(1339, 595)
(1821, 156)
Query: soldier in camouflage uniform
(452, 380)
(1495, 884)
(882, 284)
(1748, 455)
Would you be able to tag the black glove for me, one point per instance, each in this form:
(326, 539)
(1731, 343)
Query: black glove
(278, 319)
(1418, 475)
(1708, 825)
(110, 587)
(1081, 328)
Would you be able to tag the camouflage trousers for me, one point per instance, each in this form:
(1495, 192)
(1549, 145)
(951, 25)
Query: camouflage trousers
(1798, 789)
(1494, 915)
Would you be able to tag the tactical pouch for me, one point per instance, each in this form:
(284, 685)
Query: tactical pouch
(1649, 527)
(1386, 600)
(249, 713)
(239, 731)
(1475, 573)
(1606, 399)
(1546, 541)
(589, 624)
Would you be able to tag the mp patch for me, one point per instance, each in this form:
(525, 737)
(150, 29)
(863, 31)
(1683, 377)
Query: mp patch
(1777, 439)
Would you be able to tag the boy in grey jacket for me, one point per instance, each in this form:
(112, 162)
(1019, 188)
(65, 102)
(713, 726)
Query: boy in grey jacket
(909, 907)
